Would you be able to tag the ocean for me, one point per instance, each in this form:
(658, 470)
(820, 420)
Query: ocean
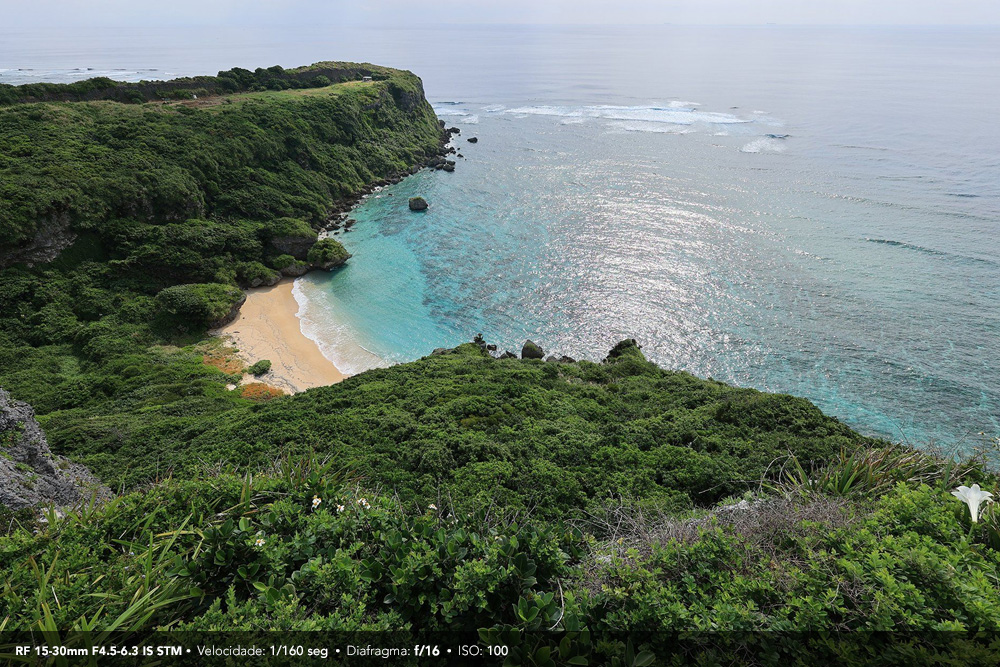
(806, 210)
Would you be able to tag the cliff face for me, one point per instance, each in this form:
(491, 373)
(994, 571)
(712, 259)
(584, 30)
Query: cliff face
(51, 237)
(29, 473)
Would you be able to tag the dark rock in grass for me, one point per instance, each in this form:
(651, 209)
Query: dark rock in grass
(30, 474)
(295, 269)
(626, 348)
(418, 204)
(567, 360)
(491, 347)
(269, 281)
(234, 312)
(440, 350)
(508, 355)
(473, 140)
(531, 350)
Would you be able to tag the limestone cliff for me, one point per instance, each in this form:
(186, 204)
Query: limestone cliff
(29, 473)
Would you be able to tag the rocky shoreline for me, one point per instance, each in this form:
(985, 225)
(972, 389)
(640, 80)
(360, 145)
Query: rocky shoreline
(336, 220)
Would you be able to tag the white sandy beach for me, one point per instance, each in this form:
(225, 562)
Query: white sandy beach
(268, 328)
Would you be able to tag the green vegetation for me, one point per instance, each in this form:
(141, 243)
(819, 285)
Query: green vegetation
(162, 211)
(203, 304)
(327, 252)
(304, 547)
(104, 164)
(236, 80)
(519, 434)
(260, 367)
(458, 491)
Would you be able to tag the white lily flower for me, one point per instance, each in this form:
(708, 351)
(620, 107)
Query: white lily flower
(973, 497)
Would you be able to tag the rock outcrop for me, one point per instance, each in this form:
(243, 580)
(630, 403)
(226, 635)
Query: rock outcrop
(531, 350)
(234, 312)
(51, 238)
(296, 246)
(327, 254)
(627, 348)
(29, 473)
(418, 204)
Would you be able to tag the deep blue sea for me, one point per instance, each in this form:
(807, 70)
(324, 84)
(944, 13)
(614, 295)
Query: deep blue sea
(805, 210)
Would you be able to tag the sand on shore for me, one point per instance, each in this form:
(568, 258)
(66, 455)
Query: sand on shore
(268, 328)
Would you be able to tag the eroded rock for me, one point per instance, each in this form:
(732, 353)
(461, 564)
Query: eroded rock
(30, 474)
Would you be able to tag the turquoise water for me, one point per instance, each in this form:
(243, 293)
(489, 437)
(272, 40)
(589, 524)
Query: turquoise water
(637, 182)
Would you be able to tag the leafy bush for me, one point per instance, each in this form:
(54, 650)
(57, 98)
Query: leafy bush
(327, 252)
(201, 303)
(869, 471)
(519, 434)
(283, 261)
(306, 548)
(260, 368)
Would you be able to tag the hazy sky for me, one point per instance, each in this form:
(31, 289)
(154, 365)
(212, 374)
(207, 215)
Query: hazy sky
(38, 13)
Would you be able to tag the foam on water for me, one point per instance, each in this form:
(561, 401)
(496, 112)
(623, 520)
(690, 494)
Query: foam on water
(763, 145)
(338, 342)
(454, 114)
(647, 126)
(673, 113)
(18, 76)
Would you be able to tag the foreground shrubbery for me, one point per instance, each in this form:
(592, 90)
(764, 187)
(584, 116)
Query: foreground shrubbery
(304, 548)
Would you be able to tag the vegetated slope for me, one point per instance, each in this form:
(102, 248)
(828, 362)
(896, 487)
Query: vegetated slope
(73, 167)
(303, 548)
(473, 431)
(105, 205)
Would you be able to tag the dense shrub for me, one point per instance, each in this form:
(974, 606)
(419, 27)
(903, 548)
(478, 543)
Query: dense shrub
(327, 253)
(306, 548)
(203, 303)
(260, 367)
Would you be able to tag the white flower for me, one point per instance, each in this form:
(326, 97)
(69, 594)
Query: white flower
(316, 501)
(259, 542)
(432, 506)
(973, 498)
(363, 503)
(340, 508)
